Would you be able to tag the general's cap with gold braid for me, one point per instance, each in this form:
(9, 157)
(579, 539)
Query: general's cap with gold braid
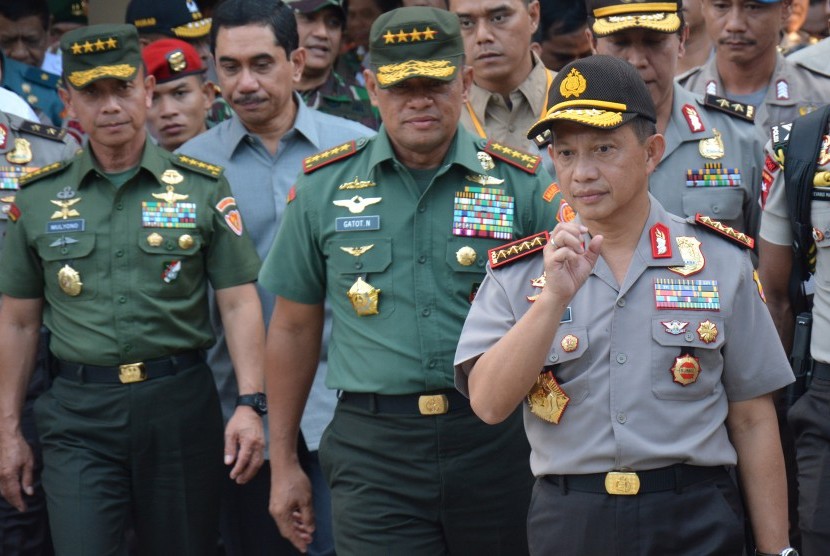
(100, 52)
(415, 42)
(597, 91)
(612, 16)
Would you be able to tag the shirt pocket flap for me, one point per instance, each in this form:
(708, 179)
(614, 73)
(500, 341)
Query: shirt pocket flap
(361, 256)
(466, 255)
(570, 343)
(723, 203)
(681, 330)
(165, 242)
(58, 248)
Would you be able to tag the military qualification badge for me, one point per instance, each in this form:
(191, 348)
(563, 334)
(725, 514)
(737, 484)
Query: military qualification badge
(707, 332)
(546, 399)
(364, 298)
(686, 369)
(70, 281)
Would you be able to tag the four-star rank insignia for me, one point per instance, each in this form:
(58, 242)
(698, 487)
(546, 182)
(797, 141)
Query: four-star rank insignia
(737, 237)
(325, 158)
(686, 369)
(520, 159)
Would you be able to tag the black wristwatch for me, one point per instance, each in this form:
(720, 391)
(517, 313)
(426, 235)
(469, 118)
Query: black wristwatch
(255, 401)
(789, 551)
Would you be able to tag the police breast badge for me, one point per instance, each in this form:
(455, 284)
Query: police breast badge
(546, 399)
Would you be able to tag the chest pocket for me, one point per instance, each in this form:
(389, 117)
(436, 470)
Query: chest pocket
(172, 267)
(369, 258)
(466, 259)
(76, 254)
(721, 203)
(686, 365)
(569, 358)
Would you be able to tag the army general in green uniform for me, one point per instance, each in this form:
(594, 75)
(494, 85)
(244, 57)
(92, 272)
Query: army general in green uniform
(394, 232)
(113, 250)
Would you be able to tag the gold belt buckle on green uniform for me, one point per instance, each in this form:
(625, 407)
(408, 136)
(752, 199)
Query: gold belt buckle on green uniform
(622, 483)
(437, 404)
(132, 372)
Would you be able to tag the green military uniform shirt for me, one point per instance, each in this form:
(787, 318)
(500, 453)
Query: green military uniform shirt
(123, 269)
(24, 148)
(337, 98)
(39, 88)
(363, 222)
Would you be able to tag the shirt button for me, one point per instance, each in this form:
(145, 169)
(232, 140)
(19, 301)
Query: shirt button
(64, 250)
(621, 358)
(511, 128)
(553, 358)
(621, 302)
(122, 299)
(432, 364)
(119, 253)
(170, 246)
(422, 259)
(421, 208)
(716, 209)
(128, 348)
(358, 265)
(426, 312)
(119, 206)
(689, 337)
(621, 418)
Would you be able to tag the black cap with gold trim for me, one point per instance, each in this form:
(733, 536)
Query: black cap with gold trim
(415, 42)
(612, 16)
(181, 19)
(597, 91)
(100, 52)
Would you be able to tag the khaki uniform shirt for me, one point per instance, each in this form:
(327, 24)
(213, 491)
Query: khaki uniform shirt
(487, 114)
(733, 150)
(26, 147)
(775, 228)
(124, 270)
(617, 346)
(363, 219)
(794, 90)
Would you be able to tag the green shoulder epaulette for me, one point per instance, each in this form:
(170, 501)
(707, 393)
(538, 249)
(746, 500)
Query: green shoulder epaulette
(317, 161)
(198, 166)
(28, 179)
(725, 231)
(520, 159)
(43, 130)
(736, 109)
(515, 250)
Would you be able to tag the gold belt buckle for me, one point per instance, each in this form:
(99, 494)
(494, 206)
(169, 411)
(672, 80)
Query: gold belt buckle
(132, 372)
(437, 404)
(622, 483)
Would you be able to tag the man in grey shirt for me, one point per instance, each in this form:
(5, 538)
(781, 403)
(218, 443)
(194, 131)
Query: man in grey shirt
(262, 147)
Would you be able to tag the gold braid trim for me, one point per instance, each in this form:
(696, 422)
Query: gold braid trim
(664, 22)
(597, 118)
(80, 79)
(392, 73)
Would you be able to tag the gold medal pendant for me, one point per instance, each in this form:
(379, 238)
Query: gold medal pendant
(547, 400)
(364, 298)
(70, 281)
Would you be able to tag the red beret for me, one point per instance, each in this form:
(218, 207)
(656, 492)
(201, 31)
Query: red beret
(169, 59)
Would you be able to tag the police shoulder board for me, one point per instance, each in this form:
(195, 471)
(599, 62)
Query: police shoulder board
(723, 230)
(780, 139)
(515, 250)
(516, 157)
(199, 166)
(340, 152)
(733, 108)
(31, 177)
(42, 130)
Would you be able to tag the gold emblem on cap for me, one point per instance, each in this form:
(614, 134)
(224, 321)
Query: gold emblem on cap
(154, 239)
(364, 298)
(569, 343)
(185, 241)
(176, 61)
(712, 148)
(466, 256)
(573, 85)
(707, 331)
(546, 399)
(172, 177)
(70, 281)
(22, 153)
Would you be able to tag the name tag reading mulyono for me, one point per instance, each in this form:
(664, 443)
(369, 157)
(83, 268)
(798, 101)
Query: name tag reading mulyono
(63, 226)
(357, 223)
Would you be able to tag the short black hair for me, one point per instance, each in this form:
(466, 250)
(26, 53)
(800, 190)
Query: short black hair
(273, 13)
(16, 10)
(560, 17)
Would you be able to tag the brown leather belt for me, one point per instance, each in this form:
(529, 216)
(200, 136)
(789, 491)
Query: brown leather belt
(432, 403)
(129, 372)
(673, 477)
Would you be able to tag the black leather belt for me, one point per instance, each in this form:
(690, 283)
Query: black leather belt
(821, 370)
(674, 477)
(431, 403)
(129, 372)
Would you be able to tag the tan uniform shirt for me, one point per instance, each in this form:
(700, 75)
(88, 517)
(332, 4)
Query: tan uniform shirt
(775, 228)
(651, 364)
(794, 90)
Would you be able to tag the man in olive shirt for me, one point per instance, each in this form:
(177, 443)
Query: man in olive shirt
(113, 249)
(393, 233)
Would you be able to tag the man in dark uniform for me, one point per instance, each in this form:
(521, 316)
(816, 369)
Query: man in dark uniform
(113, 249)
(26, 147)
(393, 233)
(642, 346)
